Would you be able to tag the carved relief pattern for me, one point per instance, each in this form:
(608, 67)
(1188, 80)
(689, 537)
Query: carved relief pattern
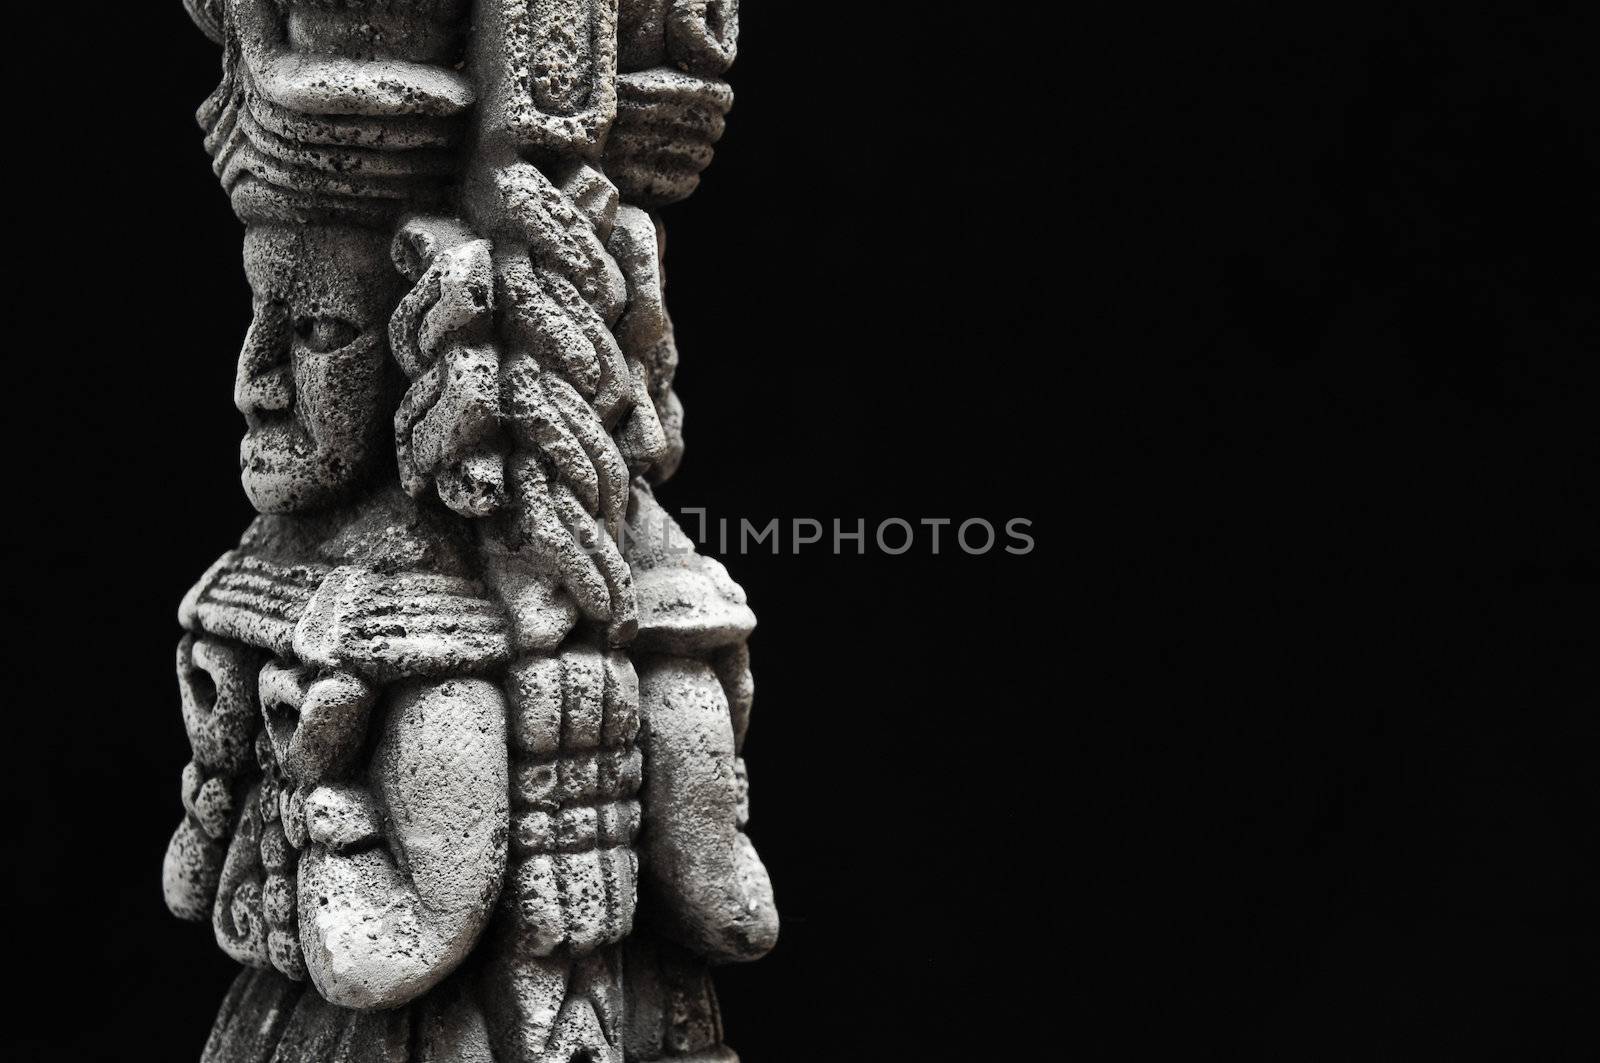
(465, 707)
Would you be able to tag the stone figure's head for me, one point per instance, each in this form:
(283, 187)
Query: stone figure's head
(312, 381)
(308, 88)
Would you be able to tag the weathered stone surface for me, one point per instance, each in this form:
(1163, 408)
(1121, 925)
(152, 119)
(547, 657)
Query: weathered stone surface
(383, 924)
(465, 707)
(702, 875)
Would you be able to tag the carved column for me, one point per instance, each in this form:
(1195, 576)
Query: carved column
(465, 706)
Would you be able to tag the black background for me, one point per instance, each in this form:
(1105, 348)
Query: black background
(1282, 329)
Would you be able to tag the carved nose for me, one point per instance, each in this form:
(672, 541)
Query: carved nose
(265, 379)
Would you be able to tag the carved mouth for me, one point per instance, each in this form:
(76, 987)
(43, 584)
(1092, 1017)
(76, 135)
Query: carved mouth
(273, 427)
(271, 439)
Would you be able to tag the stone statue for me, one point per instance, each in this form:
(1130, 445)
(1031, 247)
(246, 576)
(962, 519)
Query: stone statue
(465, 706)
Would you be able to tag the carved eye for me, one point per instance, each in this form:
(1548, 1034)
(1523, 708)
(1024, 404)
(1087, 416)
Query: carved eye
(323, 335)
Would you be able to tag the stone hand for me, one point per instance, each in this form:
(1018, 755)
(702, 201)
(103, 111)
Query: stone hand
(447, 428)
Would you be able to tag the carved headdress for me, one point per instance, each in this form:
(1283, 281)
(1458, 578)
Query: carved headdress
(305, 129)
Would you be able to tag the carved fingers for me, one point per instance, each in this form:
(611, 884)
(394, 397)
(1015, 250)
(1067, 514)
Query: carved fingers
(561, 232)
(640, 331)
(452, 294)
(576, 771)
(559, 534)
(548, 317)
(668, 124)
(447, 428)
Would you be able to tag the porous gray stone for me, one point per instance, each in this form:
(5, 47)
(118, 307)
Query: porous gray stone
(465, 708)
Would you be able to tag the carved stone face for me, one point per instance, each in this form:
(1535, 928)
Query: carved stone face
(311, 375)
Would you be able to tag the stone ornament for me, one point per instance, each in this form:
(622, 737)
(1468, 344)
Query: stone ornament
(465, 707)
